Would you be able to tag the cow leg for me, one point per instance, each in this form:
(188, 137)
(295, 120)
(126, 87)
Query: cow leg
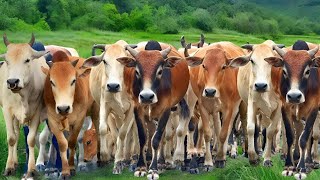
(103, 132)
(33, 127)
(15, 148)
(95, 120)
(11, 140)
(298, 126)
(270, 134)
(119, 157)
(156, 139)
(284, 141)
(290, 136)
(228, 119)
(308, 157)
(43, 155)
(243, 119)
(251, 126)
(72, 141)
(135, 147)
(303, 144)
(315, 135)
(141, 169)
(168, 139)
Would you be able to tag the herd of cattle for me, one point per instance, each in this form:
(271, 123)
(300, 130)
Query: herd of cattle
(151, 107)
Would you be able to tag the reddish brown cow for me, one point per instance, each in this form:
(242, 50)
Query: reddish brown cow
(90, 143)
(215, 85)
(156, 83)
(295, 78)
(67, 98)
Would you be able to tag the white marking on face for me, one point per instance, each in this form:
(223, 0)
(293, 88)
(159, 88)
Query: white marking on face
(295, 90)
(147, 91)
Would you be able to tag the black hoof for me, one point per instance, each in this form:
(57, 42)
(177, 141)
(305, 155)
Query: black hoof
(316, 165)
(267, 163)
(254, 162)
(207, 168)
(9, 172)
(179, 165)
(194, 171)
(72, 172)
(220, 163)
(245, 155)
(132, 167)
(117, 169)
(40, 167)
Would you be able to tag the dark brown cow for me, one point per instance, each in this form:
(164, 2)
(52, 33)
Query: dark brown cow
(295, 78)
(156, 83)
(215, 85)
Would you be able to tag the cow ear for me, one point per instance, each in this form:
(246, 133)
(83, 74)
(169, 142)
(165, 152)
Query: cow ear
(92, 61)
(274, 61)
(84, 73)
(239, 61)
(127, 61)
(171, 61)
(194, 61)
(316, 62)
(45, 70)
(74, 63)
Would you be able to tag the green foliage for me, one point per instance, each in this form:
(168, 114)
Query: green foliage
(158, 16)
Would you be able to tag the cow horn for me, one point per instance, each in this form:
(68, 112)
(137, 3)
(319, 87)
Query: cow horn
(313, 51)
(201, 43)
(183, 42)
(133, 52)
(97, 46)
(281, 45)
(279, 50)
(5, 39)
(31, 42)
(165, 52)
(133, 46)
(186, 53)
(247, 46)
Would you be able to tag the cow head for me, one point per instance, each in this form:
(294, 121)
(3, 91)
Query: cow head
(151, 68)
(297, 69)
(19, 59)
(213, 67)
(113, 69)
(63, 78)
(90, 143)
(261, 71)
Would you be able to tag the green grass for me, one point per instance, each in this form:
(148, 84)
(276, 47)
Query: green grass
(82, 42)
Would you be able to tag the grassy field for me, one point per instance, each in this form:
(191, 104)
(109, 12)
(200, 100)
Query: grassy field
(82, 41)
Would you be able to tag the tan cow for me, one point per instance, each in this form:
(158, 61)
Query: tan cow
(21, 100)
(255, 89)
(67, 97)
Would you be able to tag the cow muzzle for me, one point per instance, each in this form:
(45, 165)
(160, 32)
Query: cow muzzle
(261, 87)
(113, 87)
(295, 97)
(63, 110)
(210, 92)
(147, 97)
(13, 85)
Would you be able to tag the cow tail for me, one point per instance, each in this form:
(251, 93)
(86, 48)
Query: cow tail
(184, 109)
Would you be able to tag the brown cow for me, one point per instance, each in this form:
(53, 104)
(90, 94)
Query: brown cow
(90, 143)
(295, 78)
(215, 85)
(156, 84)
(67, 98)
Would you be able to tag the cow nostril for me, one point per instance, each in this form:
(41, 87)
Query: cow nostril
(299, 96)
(63, 109)
(210, 92)
(113, 87)
(261, 86)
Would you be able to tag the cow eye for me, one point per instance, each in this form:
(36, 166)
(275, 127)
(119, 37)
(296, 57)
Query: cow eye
(27, 61)
(52, 84)
(137, 74)
(160, 72)
(88, 142)
(204, 67)
(73, 82)
(252, 61)
(285, 74)
(104, 62)
(307, 72)
(224, 66)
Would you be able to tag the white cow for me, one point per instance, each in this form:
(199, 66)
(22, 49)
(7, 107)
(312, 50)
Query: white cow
(255, 89)
(109, 91)
(21, 92)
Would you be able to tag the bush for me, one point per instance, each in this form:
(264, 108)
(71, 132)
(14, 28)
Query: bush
(201, 19)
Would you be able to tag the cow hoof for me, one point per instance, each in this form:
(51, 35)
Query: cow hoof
(140, 172)
(194, 171)
(254, 162)
(72, 172)
(316, 165)
(117, 169)
(179, 164)
(132, 167)
(169, 166)
(40, 167)
(245, 155)
(9, 172)
(267, 163)
(65, 177)
(83, 168)
(220, 163)
(288, 171)
(233, 156)
(51, 173)
(300, 176)
(207, 168)
(153, 175)
(162, 167)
